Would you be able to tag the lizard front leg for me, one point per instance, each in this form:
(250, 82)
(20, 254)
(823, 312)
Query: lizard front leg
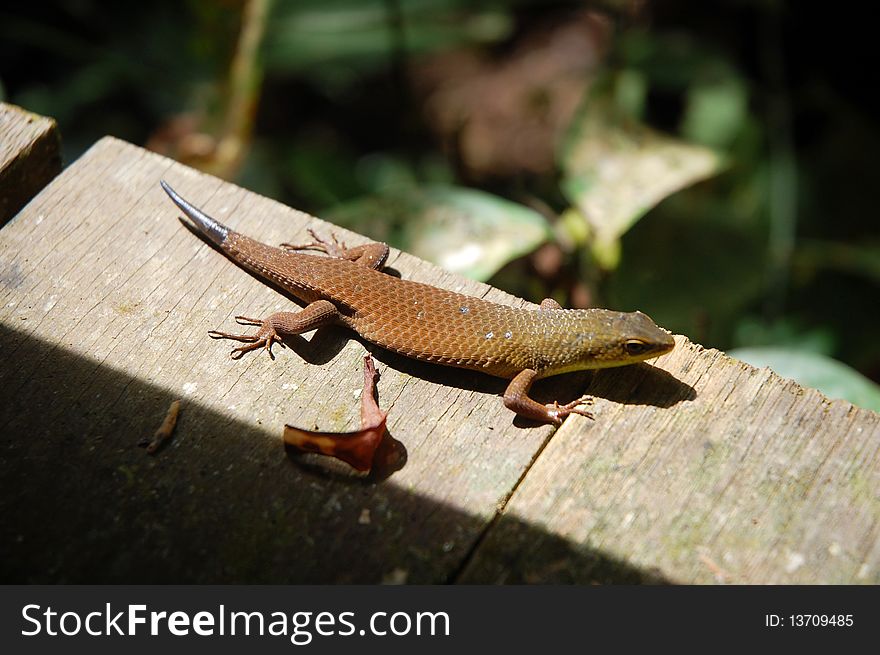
(371, 255)
(516, 398)
(280, 324)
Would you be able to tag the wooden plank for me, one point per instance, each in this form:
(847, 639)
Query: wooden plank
(30, 157)
(701, 470)
(106, 302)
(716, 472)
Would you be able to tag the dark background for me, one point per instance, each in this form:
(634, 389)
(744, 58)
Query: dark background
(360, 110)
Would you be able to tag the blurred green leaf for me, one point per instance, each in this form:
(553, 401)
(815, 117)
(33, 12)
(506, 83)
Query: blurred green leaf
(320, 167)
(616, 169)
(831, 377)
(380, 172)
(334, 39)
(465, 231)
(812, 256)
(752, 331)
(716, 112)
(689, 273)
(630, 92)
(671, 59)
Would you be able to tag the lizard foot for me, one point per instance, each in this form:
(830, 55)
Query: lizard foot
(264, 337)
(558, 412)
(334, 248)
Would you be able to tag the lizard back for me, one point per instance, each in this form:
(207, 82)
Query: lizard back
(437, 325)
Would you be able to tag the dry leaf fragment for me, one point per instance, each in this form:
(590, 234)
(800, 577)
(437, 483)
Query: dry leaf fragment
(355, 448)
(165, 430)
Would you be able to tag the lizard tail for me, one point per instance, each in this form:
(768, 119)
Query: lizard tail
(216, 232)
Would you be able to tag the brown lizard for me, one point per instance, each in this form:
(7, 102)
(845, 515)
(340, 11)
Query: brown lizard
(432, 324)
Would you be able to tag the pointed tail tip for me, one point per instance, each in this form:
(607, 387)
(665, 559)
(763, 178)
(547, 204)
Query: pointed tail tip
(214, 230)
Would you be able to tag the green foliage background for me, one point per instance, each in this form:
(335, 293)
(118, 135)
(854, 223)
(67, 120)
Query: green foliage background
(744, 216)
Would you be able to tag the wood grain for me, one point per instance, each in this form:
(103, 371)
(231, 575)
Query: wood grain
(106, 303)
(29, 157)
(738, 477)
(700, 469)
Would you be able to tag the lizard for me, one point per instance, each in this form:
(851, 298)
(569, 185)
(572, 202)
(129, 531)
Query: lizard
(347, 287)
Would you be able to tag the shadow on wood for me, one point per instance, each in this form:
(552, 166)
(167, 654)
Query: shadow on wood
(83, 504)
(641, 384)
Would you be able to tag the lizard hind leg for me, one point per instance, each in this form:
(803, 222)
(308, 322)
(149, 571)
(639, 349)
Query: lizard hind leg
(332, 247)
(372, 255)
(275, 327)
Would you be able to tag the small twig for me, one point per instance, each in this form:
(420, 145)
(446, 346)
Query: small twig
(245, 82)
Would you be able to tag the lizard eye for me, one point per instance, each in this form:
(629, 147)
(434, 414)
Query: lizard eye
(635, 347)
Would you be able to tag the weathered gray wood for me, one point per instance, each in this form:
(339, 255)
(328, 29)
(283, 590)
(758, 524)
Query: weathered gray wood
(746, 478)
(29, 157)
(712, 471)
(106, 302)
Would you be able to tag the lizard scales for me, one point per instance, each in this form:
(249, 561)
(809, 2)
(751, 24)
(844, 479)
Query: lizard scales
(441, 326)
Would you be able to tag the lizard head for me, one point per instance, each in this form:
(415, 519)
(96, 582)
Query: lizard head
(638, 338)
(601, 338)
